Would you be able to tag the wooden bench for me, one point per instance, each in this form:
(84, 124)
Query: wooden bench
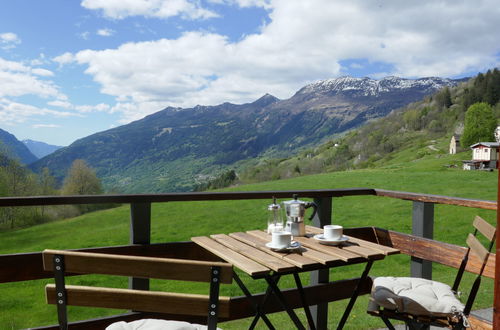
(440, 252)
(74, 262)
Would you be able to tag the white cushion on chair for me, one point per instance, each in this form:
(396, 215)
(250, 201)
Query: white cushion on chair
(153, 324)
(416, 296)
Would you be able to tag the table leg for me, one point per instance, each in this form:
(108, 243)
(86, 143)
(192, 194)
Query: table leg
(310, 320)
(355, 295)
(258, 309)
(282, 301)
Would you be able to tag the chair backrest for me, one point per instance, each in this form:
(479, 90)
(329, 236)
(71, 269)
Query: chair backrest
(74, 262)
(476, 247)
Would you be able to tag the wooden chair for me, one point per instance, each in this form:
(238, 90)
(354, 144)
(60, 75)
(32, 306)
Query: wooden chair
(421, 303)
(66, 262)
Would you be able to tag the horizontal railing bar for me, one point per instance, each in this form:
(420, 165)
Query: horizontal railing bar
(437, 199)
(178, 197)
(241, 195)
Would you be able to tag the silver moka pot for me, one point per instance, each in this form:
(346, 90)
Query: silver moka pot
(295, 210)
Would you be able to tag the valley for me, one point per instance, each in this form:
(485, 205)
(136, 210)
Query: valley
(171, 149)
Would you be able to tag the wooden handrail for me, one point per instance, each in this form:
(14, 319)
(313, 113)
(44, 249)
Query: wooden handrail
(437, 199)
(241, 195)
(179, 197)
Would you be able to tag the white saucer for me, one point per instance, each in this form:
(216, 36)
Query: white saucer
(293, 245)
(323, 240)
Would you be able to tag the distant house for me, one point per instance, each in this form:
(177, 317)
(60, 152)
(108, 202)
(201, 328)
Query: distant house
(485, 155)
(497, 134)
(454, 144)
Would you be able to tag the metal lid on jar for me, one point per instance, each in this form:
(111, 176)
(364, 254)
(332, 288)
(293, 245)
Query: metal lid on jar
(274, 206)
(294, 201)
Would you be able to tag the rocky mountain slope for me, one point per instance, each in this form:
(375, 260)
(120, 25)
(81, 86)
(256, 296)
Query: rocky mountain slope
(174, 148)
(40, 149)
(15, 149)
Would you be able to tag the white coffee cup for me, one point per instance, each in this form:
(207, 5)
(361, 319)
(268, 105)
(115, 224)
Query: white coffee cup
(332, 232)
(281, 239)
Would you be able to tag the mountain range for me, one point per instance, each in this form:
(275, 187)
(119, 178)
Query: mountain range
(40, 149)
(15, 149)
(175, 148)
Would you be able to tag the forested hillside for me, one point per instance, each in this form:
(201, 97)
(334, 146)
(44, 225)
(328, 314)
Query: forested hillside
(422, 123)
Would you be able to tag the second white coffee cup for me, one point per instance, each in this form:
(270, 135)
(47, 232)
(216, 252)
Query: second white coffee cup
(332, 232)
(281, 239)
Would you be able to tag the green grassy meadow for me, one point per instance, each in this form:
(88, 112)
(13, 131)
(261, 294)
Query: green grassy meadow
(23, 304)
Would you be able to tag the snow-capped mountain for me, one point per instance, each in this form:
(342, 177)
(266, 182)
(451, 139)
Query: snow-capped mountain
(371, 87)
(165, 151)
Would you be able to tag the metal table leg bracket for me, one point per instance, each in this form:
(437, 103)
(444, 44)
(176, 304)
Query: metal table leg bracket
(213, 301)
(259, 310)
(279, 295)
(62, 313)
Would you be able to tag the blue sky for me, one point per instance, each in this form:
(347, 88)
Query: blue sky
(72, 68)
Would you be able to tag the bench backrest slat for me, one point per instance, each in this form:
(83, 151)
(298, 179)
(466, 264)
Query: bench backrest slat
(484, 228)
(476, 247)
(147, 301)
(136, 266)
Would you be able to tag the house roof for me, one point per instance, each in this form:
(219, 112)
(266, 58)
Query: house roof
(486, 144)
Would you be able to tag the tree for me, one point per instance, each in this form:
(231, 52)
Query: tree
(480, 124)
(443, 98)
(46, 186)
(81, 180)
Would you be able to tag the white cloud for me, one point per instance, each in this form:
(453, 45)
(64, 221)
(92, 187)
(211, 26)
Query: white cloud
(13, 112)
(45, 126)
(101, 107)
(16, 80)
(63, 59)
(84, 35)
(116, 9)
(42, 72)
(61, 104)
(9, 40)
(303, 41)
(105, 32)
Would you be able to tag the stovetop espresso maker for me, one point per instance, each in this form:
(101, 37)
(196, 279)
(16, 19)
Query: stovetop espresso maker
(295, 210)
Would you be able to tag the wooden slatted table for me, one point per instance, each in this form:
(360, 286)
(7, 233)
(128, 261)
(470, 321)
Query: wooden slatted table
(248, 252)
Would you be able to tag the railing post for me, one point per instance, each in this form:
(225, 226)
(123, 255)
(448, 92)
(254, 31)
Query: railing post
(323, 217)
(423, 226)
(140, 233)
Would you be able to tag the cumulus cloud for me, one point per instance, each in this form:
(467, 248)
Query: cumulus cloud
(9, 40)
(42, 72)
(16, 79)
(105, 32)
(187, 9)
(303, 41)
(45, 126)
(63, 59)
(13, 112)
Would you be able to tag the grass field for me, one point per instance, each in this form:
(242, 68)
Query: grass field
(23, 304)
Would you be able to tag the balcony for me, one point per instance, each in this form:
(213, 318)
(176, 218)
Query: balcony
(414, 237)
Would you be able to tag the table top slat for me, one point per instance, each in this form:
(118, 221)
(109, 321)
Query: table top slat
(321, 257)
(362, 251)
(387, 250)
(295, 257)
(343, 254)
(247, 265)
(256, 255)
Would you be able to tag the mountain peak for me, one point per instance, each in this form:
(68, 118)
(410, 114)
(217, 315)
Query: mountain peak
(266, 100)
(370, 87)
